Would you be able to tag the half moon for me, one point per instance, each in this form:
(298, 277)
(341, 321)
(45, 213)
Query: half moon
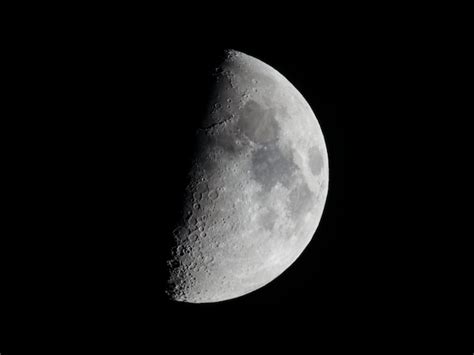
(257, 187)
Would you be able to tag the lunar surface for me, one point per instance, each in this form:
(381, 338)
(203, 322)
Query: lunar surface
(257, 186)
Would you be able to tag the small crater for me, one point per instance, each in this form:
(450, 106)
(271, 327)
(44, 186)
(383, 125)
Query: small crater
(213, 195)
(179, 232)
(192, 220)
(201, 187)
(193, 237)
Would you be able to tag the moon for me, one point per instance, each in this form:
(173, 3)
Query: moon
(256, 189)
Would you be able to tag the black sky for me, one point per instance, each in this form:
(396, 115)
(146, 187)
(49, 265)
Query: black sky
(96, 159)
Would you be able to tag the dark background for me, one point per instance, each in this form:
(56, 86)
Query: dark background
(95, 150)
(97, 115)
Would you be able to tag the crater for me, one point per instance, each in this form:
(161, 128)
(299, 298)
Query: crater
(261, 80)
(315, 160)
(258, 123)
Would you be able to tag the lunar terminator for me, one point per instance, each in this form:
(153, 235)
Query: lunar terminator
(257, 186)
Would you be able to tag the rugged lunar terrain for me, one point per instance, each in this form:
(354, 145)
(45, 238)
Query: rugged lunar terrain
(256, 189)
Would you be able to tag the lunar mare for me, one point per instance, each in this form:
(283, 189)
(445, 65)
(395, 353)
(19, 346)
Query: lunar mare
(257, 186)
